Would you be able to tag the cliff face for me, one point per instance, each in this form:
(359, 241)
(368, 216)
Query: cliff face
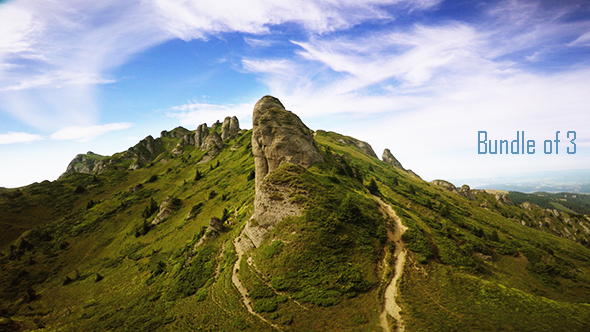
(278, 137)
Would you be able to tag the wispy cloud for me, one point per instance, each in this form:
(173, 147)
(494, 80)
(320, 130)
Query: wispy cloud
(53, 54)
(12, 137)
(435, 85)
(195, 113)
(87, 133)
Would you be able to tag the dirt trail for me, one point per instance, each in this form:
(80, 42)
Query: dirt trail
(391, 307)
(243, 291)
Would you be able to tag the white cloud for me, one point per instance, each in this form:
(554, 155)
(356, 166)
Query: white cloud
(54, 53)
(87, 133)
(425, 91)
(12, 137)
(195, 113)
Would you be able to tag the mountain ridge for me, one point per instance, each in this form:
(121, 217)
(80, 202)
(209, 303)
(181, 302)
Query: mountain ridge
(158, 246)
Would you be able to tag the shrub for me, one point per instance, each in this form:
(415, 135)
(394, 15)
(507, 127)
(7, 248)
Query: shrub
(373, 188)
(251, 176)
(265, 305)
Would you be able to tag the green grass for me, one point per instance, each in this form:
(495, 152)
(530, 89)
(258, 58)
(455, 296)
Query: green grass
(316, 271)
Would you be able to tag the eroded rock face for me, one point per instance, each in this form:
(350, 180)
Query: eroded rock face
(279, 137)
(230, 128)
(390, 159)
(213, 141)
(200, 135)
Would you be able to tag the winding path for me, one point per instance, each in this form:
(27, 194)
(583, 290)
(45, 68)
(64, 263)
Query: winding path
(391, 307)
(243, 291)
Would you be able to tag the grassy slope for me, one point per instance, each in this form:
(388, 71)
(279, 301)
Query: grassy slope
(314, 272)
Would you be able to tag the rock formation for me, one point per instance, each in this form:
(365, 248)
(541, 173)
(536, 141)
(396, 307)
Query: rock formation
(213, 141)
(445, 184)
(278, 137)
(390, 159)
(201, 134)
(466, 192)
(83, 163)
(504, 200)
(230, 128)
(216, 224)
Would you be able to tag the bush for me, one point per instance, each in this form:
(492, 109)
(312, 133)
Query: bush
(202, 294)
(79, 189)
(251, 176)
(373, 188)
(265, 305)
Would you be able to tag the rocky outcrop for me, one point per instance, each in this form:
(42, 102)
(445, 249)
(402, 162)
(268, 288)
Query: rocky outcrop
(213, 141)
(230, 128)
(390, 159)
(279, 138)
(466, 192)
(445, 184)
(200, 135)
(504, 200)
(83, 163)
(216, 224)
(364, 147)
(178, 132)
(169, 205)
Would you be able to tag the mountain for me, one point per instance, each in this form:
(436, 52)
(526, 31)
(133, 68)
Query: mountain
(282, 228)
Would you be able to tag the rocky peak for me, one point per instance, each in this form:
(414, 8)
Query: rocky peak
(83, 163)
(200, 135)
(279, 136)
(390, 159)
(230, 128)
(177, 132)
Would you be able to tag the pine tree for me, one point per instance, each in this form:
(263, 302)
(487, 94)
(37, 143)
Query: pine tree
(373, 188)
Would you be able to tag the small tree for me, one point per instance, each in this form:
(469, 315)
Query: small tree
(198, 176)
(373, 188)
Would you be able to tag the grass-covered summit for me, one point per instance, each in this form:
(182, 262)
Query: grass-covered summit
(151, 241)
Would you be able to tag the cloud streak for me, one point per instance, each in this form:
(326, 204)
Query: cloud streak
(12, 137)
(66, 48)
(434, 86)
(87, 133)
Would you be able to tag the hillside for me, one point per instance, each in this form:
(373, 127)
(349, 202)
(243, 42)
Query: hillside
(281, 228)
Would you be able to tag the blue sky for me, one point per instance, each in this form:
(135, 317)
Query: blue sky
(418, 77)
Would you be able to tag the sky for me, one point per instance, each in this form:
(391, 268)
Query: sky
(420, 77)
